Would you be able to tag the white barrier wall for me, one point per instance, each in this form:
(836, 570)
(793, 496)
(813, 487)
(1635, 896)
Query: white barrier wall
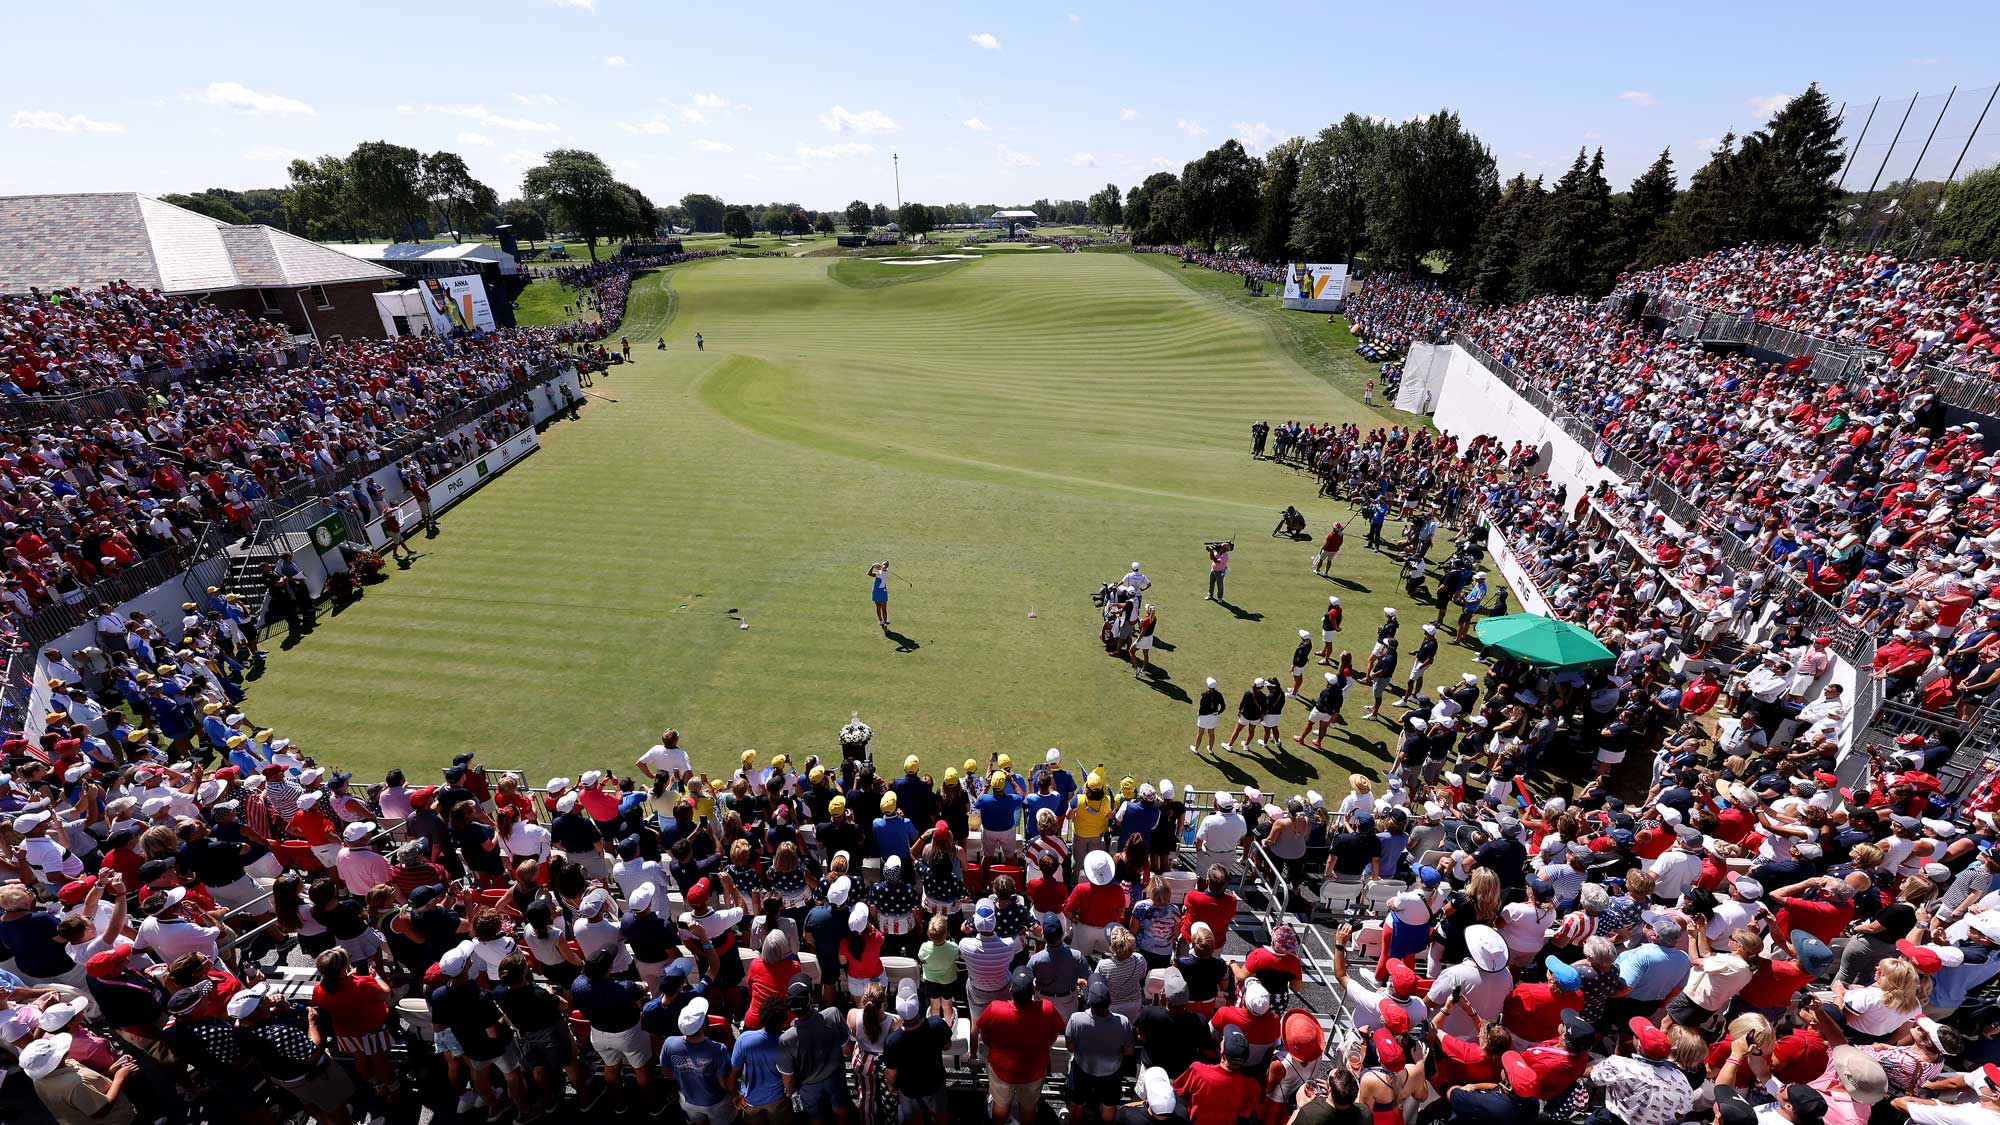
(1471, 402)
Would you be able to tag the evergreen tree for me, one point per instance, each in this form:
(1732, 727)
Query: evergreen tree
(1274, 208)
(1564, 255)
(1705, 216)
(1788, 170)
(1637, 215)
(1514, 221)
(1969, 225)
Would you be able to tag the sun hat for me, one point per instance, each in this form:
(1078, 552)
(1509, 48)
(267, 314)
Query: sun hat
(1487, 947)
(41, 1058)
(1099, 868)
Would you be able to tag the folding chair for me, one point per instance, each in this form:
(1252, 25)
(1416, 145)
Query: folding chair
(1375, 900)
(1339, 898)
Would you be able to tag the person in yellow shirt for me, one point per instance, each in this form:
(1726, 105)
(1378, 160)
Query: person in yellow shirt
(1090, 817)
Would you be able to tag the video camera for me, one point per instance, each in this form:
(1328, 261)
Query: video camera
(1220, 544)
(1104, 594)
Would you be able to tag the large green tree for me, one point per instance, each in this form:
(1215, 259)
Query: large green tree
(581, 194)
(1969, 225)
(1638, 215)
(858, 217)
(1566, 254)
(1789, 170)
(736, 224)
(208, 203)
(915, 218)
(1106, 210)
(1219, 192)
(1139, 207)
(525, 219)
(1330, 205)
(824, 224)
(704, 211)
(1707, 215)
(1429, 184)
(1275, 201)
(322, 202)
(455, 195)
(1512, 225)
(387, 181)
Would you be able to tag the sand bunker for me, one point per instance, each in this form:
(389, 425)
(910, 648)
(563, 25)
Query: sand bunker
(924, 261)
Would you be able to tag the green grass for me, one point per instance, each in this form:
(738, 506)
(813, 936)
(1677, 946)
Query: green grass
(1009, 436)
(542, 303)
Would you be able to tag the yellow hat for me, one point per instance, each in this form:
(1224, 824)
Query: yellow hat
(236, 740)
(1006, 762)
(782, 760)
(837, 806)
(187, 605)
(138, 735)
(950, 774)
(971, 767)
(749, 756)
(214, 589)
(1095, 780)
(910, 764)
(145, 677)
(997, 779)
(888, 804)
(211, 709)
(1128, 787)
(264, 735)
(816, 775)
(166, 669)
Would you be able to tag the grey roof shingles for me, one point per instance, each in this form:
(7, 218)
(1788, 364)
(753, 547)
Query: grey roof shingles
(90, 239)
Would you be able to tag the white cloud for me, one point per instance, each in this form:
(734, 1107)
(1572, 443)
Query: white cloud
(1707, 144)
(1254, 134)
(653, 128)
(490, 120)
(535, 99)
(1638, 98)
(1191, 128)
(1769, 104)
(406, 109)
(706, 145)
(1128, 115)
(711, 100)
(583, 5)
(840, 119)
(242, 99)
(1014, 159)
(975, 124)
(985, 39)
(1930, 61)
(1082, 160)
(1074, 18)
(266, 153)
(521, 156)
(55, 122)
(474, 139)
(834, 151)
(1161, 162)
(616, 61)
(693, 116)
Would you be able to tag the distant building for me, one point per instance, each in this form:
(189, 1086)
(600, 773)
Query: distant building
(92, 239)
(418, 261)
(1008, 220)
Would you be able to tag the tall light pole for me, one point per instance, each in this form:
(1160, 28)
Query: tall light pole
(896, 162)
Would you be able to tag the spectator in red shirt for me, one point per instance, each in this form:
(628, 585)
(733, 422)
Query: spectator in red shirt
(1212, 904)
(1220, 1093)
(1460, 1061)
(1821, 906)
(358, 1006)
(1700, 696)
(1560, 1062)
(1533, 1012)
(1018, 1034)
(1773, 982)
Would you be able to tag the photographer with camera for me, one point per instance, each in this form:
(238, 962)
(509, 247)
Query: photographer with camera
(1218, 568)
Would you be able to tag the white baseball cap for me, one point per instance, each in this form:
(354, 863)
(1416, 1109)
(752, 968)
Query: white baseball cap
(358, 831)
(694, 1017)
(454, 961)
(246, 1002)
(642, 898)
(55, 1017)
(1158, 1090)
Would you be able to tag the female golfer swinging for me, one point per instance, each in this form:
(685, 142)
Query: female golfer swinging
(879, 574)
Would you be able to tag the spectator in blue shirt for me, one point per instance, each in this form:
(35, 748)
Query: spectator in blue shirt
(702, 1068)
(755, 1060)
(999, 810)
(894, 832)
(1651, 971)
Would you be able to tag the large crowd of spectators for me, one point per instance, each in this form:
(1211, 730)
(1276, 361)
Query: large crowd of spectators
(1939, 311)
(63, 341)
(1393, 311)
(1238, 264)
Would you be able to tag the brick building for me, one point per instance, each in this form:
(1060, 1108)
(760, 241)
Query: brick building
(90, 239)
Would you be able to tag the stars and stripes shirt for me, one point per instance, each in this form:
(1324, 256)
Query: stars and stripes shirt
(1575, 928)
(1046, 847)
(283, 797)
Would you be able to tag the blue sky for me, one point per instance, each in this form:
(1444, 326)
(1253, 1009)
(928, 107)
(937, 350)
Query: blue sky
(985, 103)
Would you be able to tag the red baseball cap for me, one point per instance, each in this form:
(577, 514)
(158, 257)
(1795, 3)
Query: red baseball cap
(1925, 959)
(1395, 1017)
(697, 895)
(228, 773)
(271, 767)
(421, 797)
(74, 891)
(109, 963)
(1649, 1038)
(1387, 1050)
(1402, 978)
(1520, 1075)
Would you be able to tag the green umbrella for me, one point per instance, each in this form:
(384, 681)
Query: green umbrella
(1542, 640)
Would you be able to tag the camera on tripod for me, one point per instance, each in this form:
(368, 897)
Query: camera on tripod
(1104, 594)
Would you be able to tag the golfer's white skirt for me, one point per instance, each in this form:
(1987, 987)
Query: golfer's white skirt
(1145, 643)
(1327, 635)
(1610, 756)
(1298, 671)
(1272, 721)
(1318, 716)
(1206, 722)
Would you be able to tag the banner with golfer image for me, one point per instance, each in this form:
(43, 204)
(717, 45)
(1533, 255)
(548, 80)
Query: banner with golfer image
(1314, 287)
